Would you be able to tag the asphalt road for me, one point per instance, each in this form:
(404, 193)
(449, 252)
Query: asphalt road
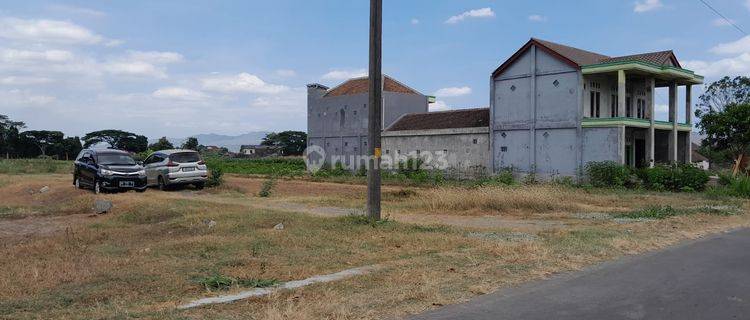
(703, 279)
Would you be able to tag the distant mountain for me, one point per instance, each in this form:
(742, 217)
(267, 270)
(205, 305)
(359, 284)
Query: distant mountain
(232, 143)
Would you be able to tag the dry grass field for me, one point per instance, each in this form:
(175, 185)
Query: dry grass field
(157, 250)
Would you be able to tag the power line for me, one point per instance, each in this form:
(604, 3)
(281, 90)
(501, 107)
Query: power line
(723, 17)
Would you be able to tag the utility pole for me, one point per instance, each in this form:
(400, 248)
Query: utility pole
(376, 109)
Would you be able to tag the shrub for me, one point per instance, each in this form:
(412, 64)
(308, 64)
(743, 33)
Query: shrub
(652, 212)
(675, 177)
(215, 178)
(505, 177)
(267, 188)
(608, 174)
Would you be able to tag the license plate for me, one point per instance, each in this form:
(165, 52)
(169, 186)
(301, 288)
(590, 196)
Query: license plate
(188, 169)
(127, 184)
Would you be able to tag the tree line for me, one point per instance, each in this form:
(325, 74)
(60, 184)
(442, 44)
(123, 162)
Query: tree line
(17, 143)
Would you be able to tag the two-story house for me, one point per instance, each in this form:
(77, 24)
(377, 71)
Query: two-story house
(553, 108)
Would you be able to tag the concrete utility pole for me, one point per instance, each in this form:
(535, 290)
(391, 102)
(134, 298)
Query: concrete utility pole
(376, 109)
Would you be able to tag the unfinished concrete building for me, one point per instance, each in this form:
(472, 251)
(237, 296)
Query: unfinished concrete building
(554, 108)
(337, 117)
(455, 142)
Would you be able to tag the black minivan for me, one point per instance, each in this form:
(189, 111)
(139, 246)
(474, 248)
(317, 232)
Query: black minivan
(108, 170)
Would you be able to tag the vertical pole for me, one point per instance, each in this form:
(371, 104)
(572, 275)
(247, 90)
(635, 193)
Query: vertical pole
(621, 93)
(375, 110)
(651, 129)
(689, 121)
(673, 120)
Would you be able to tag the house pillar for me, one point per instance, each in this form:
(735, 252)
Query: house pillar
(621, 92)
(689, 121)
(650, 143)
(673, 119)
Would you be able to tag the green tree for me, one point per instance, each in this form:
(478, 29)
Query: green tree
(9, 135)
(190, 144)
(162, 144)
(727, 129)
(722, 93)
(117, 139)
(43, 139)
(291, 143)
(69, 148)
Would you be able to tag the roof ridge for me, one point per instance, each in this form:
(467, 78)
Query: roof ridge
(568, 46)
(644, 53)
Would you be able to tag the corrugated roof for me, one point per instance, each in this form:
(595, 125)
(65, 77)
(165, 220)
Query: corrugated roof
(462, 118)
(362, 85)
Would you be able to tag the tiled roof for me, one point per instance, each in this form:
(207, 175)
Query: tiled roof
(579, 56)
(697, 157)
(362, 85)
(658, 58)
(463, 118)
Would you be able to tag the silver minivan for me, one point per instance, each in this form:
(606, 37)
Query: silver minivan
(175, 167)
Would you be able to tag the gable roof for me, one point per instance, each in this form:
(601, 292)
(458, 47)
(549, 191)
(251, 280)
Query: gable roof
(362, 85)
(657, 58)
(578, 58)
(696, 156)
(462, 118)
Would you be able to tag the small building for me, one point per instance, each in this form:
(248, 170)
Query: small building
(258, 151)
(455, 142)
(698, 159)
(337, 117)
(555, 108)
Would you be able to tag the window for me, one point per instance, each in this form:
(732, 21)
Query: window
(355, 112)
(503, 149)
(628, 107)
(641, 108)
(387, 151)
(595, 104)
(346, 144)
(475, 141)
(445, 151)
(342, 119)
(418, 152)
(614, 106)
(398, 151)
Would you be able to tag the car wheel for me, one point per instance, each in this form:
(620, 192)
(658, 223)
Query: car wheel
(77, 183)
(97, 187)
(162, 185)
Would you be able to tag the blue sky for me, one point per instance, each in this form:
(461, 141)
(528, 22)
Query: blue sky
(178, 68)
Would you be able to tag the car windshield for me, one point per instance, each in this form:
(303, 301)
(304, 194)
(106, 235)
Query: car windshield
(115, 159)
(185, 157)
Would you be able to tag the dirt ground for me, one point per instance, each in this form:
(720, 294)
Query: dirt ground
(438, 246)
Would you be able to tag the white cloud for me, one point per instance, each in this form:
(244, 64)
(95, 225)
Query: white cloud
(23, 81)
(453, 92)
(81, 11)
(291, 102)
(179, 93)
(135, 68)
(46, 31)
(439, 105)
(537, 18)
(476, 13)
(736, 47)
(747, 4)
(157, 57)
(24, 97)
(243, 82)
(29, 56)
(721, 22)
(344, 74)
(739, 65)
(414, 21)
(286, 73)
(647, 5)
